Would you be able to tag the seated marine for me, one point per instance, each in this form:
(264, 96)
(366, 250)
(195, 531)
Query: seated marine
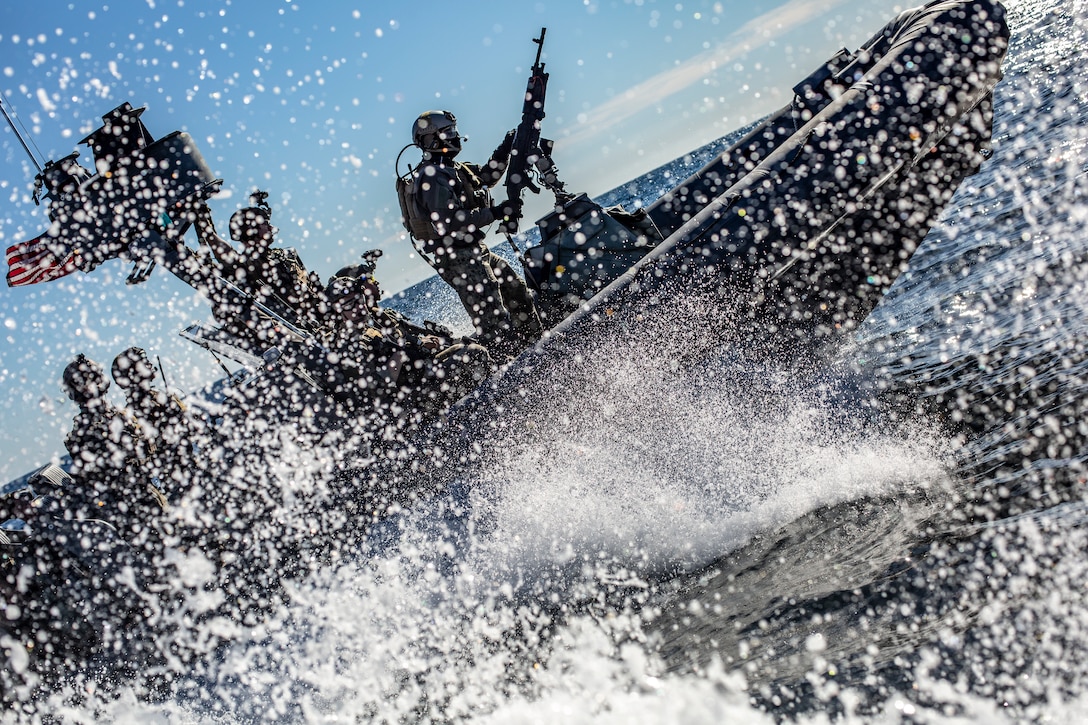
(368, 369)
(162, 417)
(262, 281)
(389, 321)
(109, 452)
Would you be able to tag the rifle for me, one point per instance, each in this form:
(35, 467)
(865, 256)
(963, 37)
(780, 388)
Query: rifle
(528, 150)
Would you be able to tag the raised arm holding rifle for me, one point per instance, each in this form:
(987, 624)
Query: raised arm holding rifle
(447, 205)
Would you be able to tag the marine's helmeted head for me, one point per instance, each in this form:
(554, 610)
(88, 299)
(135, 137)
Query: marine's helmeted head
(132, 369)
(84, 380)
(357, 280)
(347, 299)
(436, 132)
(252, 223)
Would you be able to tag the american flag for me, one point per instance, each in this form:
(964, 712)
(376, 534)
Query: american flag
(34, 261)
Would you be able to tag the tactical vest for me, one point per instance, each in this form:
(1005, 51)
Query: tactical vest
(289, 269)
(415, 218)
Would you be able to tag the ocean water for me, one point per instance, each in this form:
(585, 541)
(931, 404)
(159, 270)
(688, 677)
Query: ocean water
(899, 537)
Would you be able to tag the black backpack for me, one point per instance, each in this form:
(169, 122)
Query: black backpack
(412, 215)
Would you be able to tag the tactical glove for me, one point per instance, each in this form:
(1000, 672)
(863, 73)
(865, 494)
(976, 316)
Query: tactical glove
(502, 153)
(508, 213)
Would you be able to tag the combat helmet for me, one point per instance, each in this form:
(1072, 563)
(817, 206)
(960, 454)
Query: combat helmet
(132, 369)
(244, 223)
(356, 279)
(84, 380)
(437, 131)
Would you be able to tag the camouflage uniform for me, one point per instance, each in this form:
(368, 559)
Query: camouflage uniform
(110, 459)
(165, 421)
(376, 359)
(276, 279)
(262, 276)
(358, 370)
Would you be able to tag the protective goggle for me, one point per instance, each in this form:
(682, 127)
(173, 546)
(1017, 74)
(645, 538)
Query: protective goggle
(448, 133)
(350, 286)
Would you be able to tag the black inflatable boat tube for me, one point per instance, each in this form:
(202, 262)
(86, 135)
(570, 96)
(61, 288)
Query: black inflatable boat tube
(942, 62)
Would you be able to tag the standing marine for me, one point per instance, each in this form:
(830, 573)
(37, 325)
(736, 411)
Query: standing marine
(453, 207)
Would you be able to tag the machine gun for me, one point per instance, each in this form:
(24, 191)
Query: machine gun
(529, 152)
(133, 206)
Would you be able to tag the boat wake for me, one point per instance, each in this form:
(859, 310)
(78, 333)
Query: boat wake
(554, 559)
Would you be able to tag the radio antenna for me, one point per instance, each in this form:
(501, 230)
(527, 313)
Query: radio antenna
(21, 135)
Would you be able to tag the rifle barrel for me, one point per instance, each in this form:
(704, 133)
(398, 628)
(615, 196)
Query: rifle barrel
(162, 373)
(539, 49)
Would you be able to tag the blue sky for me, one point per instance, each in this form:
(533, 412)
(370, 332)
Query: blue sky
(312, 100)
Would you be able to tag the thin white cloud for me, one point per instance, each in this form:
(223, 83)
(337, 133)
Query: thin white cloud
(46, 102)
(758, 31)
